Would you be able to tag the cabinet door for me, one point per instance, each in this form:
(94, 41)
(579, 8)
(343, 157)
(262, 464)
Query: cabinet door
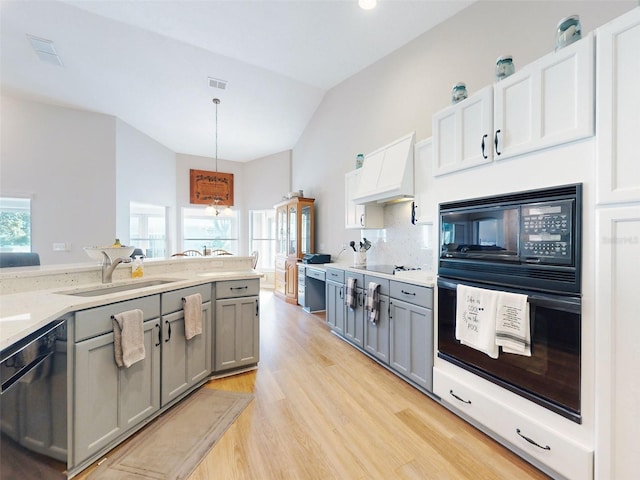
(109, 400)
(281, 230)
(184, 362)
(354, 321)
(618, 107)
(237, 325)
(291, 285)
(425, 206)
(335, 306)
(411, 351)
(617, 331)
(547, 103)
(292, 230)
(462, 133)
(359, 216)
(376, 336)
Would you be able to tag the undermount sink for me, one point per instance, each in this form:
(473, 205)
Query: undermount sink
(109, 289)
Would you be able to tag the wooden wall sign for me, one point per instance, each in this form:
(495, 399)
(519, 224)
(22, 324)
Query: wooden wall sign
(205, 187)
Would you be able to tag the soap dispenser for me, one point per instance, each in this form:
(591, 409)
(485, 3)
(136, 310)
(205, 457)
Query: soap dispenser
(137, 269)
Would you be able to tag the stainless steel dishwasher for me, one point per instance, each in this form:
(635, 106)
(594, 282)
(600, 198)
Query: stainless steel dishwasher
(33, 405)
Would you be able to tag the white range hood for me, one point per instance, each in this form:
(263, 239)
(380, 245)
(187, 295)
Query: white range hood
(387, 173)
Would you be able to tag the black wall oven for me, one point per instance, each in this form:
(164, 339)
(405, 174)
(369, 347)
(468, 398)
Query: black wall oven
(527, 243)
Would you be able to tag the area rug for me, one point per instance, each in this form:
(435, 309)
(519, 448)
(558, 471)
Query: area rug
(172, 446)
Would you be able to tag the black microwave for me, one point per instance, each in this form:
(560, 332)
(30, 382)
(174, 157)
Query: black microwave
(529, 239)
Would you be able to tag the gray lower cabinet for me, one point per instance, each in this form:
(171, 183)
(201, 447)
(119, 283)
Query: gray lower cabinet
(335, 299)
(411, 336)
(376, 336)
(109, 400)
(237, 324)
(184, 362)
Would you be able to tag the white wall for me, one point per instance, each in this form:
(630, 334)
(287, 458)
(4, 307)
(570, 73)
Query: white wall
(267, 180)
(401, 92)
(63, 159)
(145, 173)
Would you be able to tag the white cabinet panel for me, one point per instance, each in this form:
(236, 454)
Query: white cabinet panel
(359, 216)
(618, 107)
(425, 204)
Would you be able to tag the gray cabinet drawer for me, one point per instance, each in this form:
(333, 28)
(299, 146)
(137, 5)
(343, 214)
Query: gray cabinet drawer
(358, 276)
(383, 282)
(422, 296)
(238, 288)
(172, 301)
(317, 274)
(335, 275)
(96, 321)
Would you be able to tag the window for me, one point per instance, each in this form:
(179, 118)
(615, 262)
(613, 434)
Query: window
(15, 224)
(200, 230)
(148, 229)
(262, 237)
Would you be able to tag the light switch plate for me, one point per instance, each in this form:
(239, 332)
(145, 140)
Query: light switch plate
(61, 247)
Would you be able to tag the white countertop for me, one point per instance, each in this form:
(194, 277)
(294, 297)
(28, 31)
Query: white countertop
(423, 278)
(24, 312)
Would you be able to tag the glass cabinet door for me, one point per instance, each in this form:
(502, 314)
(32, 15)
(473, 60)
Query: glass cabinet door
(305, 229)
(281, 234)
(293, 230)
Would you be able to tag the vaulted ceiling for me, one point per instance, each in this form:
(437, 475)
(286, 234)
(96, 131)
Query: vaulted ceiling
(148, 62)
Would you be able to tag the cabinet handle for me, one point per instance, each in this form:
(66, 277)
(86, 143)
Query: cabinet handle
(159, 335)
(495, 141)
(408, 293)
(362, 220)
(484, 155)
(531, 441)
(361, 299)
(169, 331)
(413, 213)
(468, 402)
(257, 308)
(341, 293)
(239, 288)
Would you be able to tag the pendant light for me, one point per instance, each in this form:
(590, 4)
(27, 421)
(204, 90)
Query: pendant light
(217, 207)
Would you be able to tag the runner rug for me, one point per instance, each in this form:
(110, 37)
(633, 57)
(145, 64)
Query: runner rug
(172, 446)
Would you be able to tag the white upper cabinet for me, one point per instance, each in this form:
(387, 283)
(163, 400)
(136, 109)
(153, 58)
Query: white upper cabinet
(618, 107)
(387, 173)
(359, 216)
(425, 208)
(546, 103)
(462, 133)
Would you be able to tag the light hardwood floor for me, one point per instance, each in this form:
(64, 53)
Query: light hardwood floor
(323, 410)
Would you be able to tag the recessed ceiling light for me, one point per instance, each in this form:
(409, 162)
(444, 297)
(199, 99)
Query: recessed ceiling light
(367, 4)
(45, 50)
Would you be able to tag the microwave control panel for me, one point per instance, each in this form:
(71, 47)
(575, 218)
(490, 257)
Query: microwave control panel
(546, 232)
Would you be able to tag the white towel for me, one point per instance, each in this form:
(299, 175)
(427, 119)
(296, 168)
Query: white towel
(513, 331)
(128, 336)
(373, 302)
(192, 306)
(476, 319)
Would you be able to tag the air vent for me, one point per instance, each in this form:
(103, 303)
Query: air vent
(45, 50)
(217, 83)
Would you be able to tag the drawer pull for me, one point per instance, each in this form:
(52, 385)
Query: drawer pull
(532, 442)
(239, 288)
(458, 398)
(169, 331)
(408, 293)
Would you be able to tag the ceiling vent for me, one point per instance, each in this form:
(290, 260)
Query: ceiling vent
(217, 83)
(45, 50)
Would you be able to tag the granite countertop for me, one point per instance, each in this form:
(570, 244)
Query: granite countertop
(24, 311)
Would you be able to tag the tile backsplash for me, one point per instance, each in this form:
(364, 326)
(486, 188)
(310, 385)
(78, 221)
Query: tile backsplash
(400, 242)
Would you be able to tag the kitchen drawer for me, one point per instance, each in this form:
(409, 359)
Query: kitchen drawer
(281, 263)
(317, 274)
(383, 282)
(238, 288)
(422, 296)
(97, 321)
(335, 275)
(358, 276)
(556, 451)
(172, 301)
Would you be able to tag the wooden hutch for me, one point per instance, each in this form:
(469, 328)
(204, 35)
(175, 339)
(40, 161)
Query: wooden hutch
(295, 236)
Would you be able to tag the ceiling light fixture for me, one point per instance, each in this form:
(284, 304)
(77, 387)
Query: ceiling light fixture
(217, 207)
(367, 4)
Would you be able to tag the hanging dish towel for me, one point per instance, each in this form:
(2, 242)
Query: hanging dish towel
(350, 293)
(192, 306)
(476, 319)
(373, 302)
(513, 332)
(128, 337)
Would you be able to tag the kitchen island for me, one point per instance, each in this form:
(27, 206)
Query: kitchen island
(88, 402)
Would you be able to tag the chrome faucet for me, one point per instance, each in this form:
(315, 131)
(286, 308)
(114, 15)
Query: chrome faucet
(108, 267)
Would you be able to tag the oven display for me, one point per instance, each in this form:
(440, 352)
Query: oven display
(545, 232)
